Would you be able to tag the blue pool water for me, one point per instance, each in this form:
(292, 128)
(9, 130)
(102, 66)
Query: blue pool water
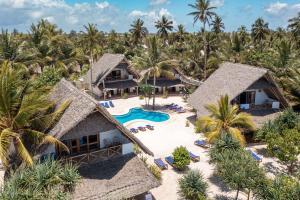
(139, 113)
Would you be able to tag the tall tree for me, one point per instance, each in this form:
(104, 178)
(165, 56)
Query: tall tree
(91, 39)
(218, 25)
(260, 29)
(138, 31)
(163, 27)
(224, 119)
(25, 116)
(294, 25)
(155, 64)
(204, 13)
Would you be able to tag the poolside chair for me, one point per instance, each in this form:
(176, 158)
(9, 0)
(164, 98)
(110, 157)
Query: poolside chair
(150, 127)
(133, 130)
(201, 143)
(255, 155)
(180, 110)
(102, 104)
(111, 104)
(106, 105)
(141, 128)
(170, 160)
(194, 157)
(160, 163)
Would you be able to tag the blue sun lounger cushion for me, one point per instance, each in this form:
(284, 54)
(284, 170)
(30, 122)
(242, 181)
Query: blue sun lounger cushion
(106, 105)
(111, 104)
(255, 156)
(194, 157)
(169, 160)
(160, 163)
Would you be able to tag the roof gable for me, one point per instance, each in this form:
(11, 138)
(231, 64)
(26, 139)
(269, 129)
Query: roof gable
(82, 105)
(231, 79)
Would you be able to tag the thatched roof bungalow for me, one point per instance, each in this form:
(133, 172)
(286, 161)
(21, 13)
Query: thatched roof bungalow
(85, 120)
(252, 88)
(111, 75)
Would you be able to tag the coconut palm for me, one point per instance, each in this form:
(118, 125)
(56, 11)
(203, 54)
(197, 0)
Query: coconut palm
(225, 118)
(24, 118)
(138, 31)
(163, 26)
(260, 29)
(217, 25)
(294, 25)
(204, 13)
(91, 39)
(155, 64)
(180, 33)
(8, 46)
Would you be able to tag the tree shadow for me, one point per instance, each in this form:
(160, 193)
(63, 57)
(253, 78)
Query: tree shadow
(192, 119)
(214, 179)
(264, 152)
(271, 168)
(222, 197)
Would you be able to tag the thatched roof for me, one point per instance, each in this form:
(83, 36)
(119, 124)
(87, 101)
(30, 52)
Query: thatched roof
(104, 66)
(82, 106)
(119, 178)
(231, 79)
(163, 82)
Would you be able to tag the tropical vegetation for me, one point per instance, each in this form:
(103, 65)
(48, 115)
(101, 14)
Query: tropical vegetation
(181, 158)
(224, 118)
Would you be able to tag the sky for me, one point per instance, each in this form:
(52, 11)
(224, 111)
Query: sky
(119, 14)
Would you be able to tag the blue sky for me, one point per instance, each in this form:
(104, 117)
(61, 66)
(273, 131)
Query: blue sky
(119, 14)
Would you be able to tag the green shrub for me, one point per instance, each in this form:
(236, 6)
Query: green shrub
(141, 97)
(48, 180)
(192, 186)
(181, 158)
(166, 94)
(125, 96)
(155, 171)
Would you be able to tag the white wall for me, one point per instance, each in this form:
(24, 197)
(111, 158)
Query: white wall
(109, 136)
(260, 97)
(50, 149)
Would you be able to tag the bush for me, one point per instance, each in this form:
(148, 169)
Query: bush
(125, 96)
(187, 123)
(166, 94)
(49, 77)
(181, 158)
(192, 186)
(49, 180)
(141, 97)
(155, 171)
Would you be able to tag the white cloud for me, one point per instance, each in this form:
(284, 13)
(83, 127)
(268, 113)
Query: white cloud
(217, 3)
(276, 8)
(137, 13)
(102, 5)
(158, 2)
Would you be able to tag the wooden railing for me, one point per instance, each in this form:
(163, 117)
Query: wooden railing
(97, 155)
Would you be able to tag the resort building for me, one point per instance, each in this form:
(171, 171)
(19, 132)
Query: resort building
(111, 76)
(252, 88)
(171, 85)
(101, 146)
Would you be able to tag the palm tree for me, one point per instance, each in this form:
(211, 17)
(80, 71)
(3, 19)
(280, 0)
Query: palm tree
(25, 115)
(217, 25)
(259, 31)
(243, 34)
(294, 25)
(8, 46)
(225, 119)
(163, 26)
(180, 33)
(91, 39)
(155, 65)
(204, 13)
(138, 31)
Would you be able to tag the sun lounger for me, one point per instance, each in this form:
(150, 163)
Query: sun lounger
(170, 160)
(102, 104)
(180, 110)
(160, 163)
(141, 128)
(201, 143)
(133, 130)
(111, 104)
(255, 155)
(106, 105)
(194, 157)
(150, 127)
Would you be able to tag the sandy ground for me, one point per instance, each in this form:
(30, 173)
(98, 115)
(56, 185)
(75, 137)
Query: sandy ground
(173, 133)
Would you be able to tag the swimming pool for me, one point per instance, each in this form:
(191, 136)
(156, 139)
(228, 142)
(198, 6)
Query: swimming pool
(139, 113)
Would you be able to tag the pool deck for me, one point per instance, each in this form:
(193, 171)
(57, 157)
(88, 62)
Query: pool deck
(173, 133)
